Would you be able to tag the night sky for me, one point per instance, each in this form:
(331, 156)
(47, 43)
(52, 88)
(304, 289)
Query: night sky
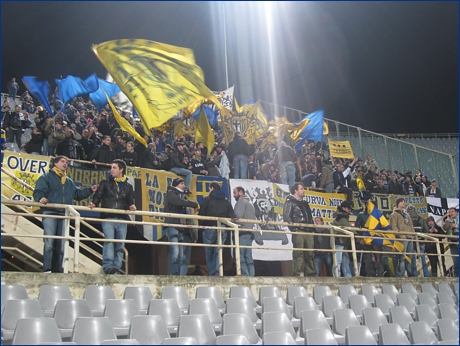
(388, 67)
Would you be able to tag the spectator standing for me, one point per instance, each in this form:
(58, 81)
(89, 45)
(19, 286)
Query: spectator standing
(238, 152)
(14, 123)
(175, 203)
(13, 88)
(213, 163)
(324, 243)
(56, 187)
(371, 162)
(433, 191)
(431, 250)
(34, 146)
(326, 179)
(149, 158)
(244, 209)
(297, 210)
(394, 187)
(341, 219)
(87, 143)
(114, 193)
(180, 168)
(408, 187)
(56, 134)
(284, 159)
(340, 182)
(129, 156)
(103, 153)
(70, 147)
(215, 204)
(450, 226)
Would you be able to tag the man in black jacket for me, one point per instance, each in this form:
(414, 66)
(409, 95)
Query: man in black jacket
(104, 153)
(297, 210)
(175, 203)
(238, 152)
(114, 193)
(180, 168)
(284, 159)
(214, 205)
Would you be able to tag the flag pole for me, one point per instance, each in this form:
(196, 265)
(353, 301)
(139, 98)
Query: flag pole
(225, 45)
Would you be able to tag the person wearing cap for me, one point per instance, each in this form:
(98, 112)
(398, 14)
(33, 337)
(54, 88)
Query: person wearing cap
(433, 191)
(341, 219)
(400, 221)
(176, 203)
(216, 205)
(297, 210)
(114, 193)
(180, 168)
(238, 152)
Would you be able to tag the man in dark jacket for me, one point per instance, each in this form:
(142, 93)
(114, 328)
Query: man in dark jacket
(284, 159)
(175, 203)
(104, 153)
(56, 187)
(238, 152)
(218, 206)
(177, 157)
(114, 193)
(13, 123)
(340, 182)
(297, 210)
(87, 143)
(198, 163)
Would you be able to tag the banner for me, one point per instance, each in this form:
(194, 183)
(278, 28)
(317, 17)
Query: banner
(341, 149)
(438, 207)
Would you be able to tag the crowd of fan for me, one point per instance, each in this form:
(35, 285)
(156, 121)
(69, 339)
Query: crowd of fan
(82, 132)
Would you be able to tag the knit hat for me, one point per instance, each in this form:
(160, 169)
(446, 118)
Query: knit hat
(177, 181)
(399, 200)
(346, 204)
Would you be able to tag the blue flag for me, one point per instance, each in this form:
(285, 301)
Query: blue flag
(39, 89)
(212, 117)
(71, 86)
(310, 127)
(98, 97)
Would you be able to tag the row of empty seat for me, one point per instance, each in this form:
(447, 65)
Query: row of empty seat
(273, 312)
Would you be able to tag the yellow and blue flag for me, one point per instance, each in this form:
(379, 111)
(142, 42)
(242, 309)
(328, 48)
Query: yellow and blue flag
(159, 79)
(310, 128)
(71, 86)
(98, 97)
(39, 89)
(377, 221)
(204, 133)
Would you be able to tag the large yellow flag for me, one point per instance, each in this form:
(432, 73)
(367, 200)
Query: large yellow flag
(159, 79)
(341, 149)
(124, 124)
(204, 133)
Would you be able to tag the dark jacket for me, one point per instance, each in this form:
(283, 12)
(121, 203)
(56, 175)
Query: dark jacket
(341, 219)
(428, 192)
(405, 188)
(71, 149)
(394, 188)
(129, 158)
(13, 120)
(431, 247)
(213, 164)
(285, 154)
(175, 203)
(35, 144)
(177, 158)
(298, 212)
(244, 209)
(103, 154)
(238, 146)
(149, 158)
(49, 186)
(88, 145)
(112, 197)
(198, 166)
(215, 205)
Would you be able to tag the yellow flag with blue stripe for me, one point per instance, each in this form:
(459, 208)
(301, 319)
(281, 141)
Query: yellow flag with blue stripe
(159, 79)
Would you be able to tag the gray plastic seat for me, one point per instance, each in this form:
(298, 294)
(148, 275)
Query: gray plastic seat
(13, 292)
(294, 292)
(424, 312)
(455, 287)
(448, 311)
(240, 324)
(319, 292)
(232, 340)
(447, 330)
(358, 302)
(302, 304)
(346, 291)
(277, 304)
(369, 291)
(243, 306)
(392, 334)
(208, 307)
(342, 319)
(179, 294)
(405, 299)
(391, 290)
(96, 296)
(268, 292)
(16, 309)
(142, 295)
(429, 288)
(384, 302)
(359, 335)
(400, 315)
(169, 312)
(120, 342)
(421, 333)
(320, 336)
(214, 294)
(181, 341)
(245, 292)
(198, 327)
(49, 295)
(148, 330)
(92, 330)
(331, 303)
(278, 338)
(120, 312)
(278, 322)
(444, 297)
(66, 313)
(445, 287)
(426, 298)
(312, 319)
(35, 330)
(373, 318)
(409, 288)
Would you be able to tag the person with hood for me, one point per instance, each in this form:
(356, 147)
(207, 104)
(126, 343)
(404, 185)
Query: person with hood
(419, 221)
(400, 221)
(176, 203)
(431, 247)
(238, 152)
(341, 219)
(297, 210)
(244, 209)
(217, 205)
(326, 181)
